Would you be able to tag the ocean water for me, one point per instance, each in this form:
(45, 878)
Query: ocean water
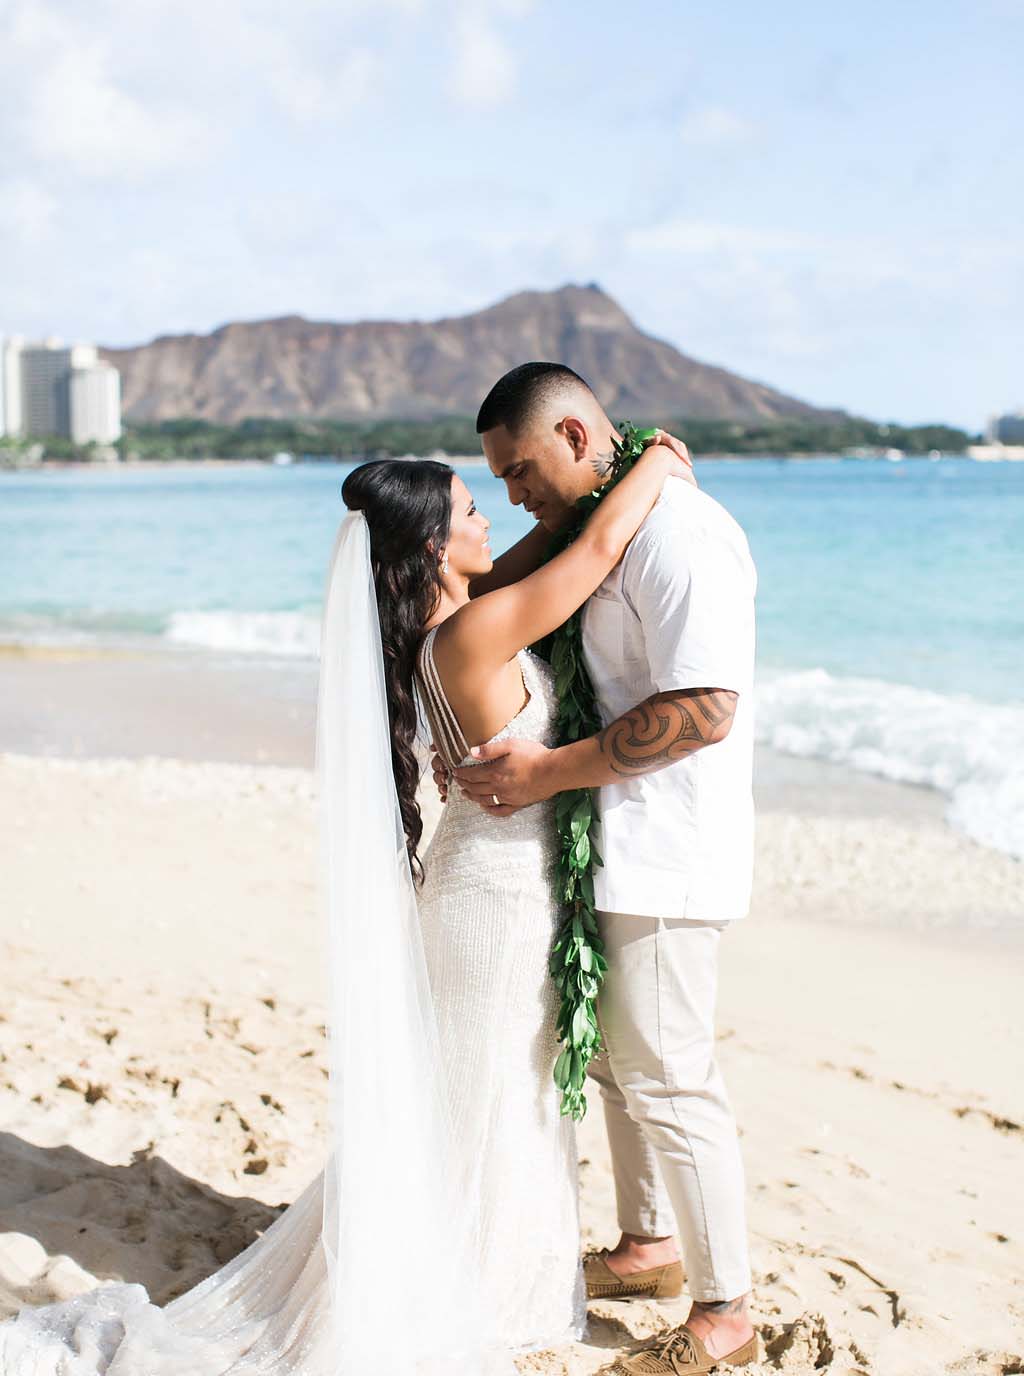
(891, 595)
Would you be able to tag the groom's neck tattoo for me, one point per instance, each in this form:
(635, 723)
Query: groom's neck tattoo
(665, 728)
(602, 464)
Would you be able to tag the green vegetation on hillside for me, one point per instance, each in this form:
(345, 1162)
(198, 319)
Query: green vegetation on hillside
(817, 437)
(262, 438)
(457, 435)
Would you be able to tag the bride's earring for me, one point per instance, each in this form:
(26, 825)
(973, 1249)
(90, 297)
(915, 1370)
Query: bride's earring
(444, 564)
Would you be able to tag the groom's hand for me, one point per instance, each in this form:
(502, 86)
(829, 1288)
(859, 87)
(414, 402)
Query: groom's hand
(515, 772)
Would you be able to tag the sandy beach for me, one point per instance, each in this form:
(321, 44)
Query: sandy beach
(162, 1058)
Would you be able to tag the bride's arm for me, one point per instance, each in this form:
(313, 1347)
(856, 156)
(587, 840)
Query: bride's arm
(494, 627)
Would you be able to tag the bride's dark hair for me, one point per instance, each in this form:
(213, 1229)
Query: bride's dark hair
(408, 508)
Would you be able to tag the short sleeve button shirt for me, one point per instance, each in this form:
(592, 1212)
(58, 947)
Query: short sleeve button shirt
(678, 612)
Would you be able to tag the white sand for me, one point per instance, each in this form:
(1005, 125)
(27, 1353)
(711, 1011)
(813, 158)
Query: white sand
(162, 1075)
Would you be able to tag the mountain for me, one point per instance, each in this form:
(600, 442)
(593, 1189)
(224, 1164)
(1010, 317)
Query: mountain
(293, 367)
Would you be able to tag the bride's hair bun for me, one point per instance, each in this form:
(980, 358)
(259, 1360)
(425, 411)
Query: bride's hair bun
(359, 488)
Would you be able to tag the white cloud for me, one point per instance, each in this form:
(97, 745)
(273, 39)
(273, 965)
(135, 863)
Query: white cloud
(307, 96)
(68, 108)
(79, 117)
(515, 9)
(484, 74)
(117, 91)
(28, 212)
(687, 236)
(712, 126)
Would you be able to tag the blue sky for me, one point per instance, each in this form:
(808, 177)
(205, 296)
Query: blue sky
(829, 199)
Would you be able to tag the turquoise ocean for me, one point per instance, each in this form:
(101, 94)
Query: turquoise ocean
(891, 594)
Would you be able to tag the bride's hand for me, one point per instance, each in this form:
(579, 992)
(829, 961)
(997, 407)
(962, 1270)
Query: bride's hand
(683, 466)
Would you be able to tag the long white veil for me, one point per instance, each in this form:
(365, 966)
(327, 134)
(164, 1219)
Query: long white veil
(398, 1237)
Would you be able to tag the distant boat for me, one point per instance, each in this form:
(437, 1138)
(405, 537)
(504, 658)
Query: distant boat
(894, 455)
(283, 457)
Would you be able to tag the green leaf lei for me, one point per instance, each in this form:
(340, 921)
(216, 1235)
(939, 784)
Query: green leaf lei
(577, 958)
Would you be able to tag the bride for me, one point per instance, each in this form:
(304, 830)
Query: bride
(442, 1234)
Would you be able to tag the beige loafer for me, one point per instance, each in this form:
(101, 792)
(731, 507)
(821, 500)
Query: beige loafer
(679, 1352)
(658, 1283)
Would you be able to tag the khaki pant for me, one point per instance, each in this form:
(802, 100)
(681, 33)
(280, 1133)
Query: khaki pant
(673, 1140)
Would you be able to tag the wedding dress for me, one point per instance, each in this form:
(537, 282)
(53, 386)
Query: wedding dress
(488, 915)
(442, 1233)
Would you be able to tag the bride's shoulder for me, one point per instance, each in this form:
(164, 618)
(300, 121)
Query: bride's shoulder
(453, 650)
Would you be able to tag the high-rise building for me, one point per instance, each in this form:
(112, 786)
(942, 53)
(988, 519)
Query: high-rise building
(1008, 429)
(10, 386)
(45, 388)
(53, 389)
(95, 404)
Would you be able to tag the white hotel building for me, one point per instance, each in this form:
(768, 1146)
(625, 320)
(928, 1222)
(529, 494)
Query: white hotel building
(47, 388)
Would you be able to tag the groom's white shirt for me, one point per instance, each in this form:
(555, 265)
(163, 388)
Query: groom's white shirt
(678, 612)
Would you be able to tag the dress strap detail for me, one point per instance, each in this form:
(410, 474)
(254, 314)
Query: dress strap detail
(447, 732)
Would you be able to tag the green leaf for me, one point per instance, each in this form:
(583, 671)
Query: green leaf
(562, 1069)
(582, 815)
(577, 1071)
(587, 883)
(587, 985)
(581, 851)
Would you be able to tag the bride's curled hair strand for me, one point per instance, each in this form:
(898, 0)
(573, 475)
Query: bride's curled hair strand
(408, 508)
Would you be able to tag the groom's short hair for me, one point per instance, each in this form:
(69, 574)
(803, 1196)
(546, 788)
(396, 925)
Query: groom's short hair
(519, 395)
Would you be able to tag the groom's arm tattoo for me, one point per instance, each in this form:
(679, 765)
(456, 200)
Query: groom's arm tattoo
(665, 728)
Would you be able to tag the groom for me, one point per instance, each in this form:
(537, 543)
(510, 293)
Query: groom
(669, 642)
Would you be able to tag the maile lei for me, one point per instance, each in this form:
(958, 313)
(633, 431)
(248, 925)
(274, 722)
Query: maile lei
(577, 958)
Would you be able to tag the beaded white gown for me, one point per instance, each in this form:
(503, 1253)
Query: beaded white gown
(488, 915)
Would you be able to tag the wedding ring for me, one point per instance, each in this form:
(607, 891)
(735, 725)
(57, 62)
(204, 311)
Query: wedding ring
(495, 800)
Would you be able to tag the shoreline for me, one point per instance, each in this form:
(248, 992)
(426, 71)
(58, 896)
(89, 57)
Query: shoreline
(861, 848)
(276, 697)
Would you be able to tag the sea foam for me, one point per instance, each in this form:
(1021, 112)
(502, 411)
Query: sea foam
(291, 633)
(971, 751)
